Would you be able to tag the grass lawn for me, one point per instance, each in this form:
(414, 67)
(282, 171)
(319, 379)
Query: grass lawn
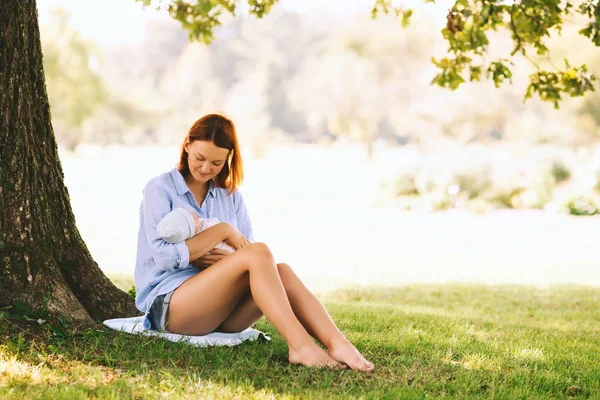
(458, 341)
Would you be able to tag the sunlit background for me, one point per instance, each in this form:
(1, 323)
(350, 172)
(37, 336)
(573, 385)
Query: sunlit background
(358, 171)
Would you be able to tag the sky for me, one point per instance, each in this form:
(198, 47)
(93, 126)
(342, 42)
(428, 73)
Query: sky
(110, 22)
(122, 21)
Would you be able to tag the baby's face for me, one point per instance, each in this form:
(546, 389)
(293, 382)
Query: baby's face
(197, 222)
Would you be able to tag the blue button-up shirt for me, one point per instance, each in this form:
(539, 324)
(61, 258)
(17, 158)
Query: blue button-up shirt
(161, 267)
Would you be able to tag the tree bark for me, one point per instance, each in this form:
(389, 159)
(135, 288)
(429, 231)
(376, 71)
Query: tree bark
(40, 247)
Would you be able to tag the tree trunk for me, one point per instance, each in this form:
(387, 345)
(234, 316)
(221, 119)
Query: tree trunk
(40, 247)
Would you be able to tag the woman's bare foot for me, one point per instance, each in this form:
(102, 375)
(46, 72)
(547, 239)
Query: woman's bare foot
(313, 356)
(346, 353)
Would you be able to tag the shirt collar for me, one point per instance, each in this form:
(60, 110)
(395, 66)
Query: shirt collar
(211, 188)
(183, 188)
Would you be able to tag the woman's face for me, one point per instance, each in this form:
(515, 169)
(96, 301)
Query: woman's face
(205, 160)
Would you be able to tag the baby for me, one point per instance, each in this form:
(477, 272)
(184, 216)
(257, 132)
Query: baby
(181, 224)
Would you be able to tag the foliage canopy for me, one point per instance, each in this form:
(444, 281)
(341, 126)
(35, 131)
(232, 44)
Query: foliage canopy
(469, 22)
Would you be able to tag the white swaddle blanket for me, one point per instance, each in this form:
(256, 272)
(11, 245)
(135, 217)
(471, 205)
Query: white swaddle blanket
(133, 325)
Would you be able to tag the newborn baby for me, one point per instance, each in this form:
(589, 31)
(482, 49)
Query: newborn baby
(181, 224)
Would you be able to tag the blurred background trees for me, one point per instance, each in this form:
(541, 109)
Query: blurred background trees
(73, 80)
(310, 78)
(293, 77)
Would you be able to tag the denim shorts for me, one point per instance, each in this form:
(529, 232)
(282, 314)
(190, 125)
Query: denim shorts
(158, 312)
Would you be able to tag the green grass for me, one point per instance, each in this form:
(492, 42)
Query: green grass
(455, 341)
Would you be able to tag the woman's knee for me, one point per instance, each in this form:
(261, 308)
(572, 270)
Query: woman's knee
(287, 275)
(284, 268)
(260, 250)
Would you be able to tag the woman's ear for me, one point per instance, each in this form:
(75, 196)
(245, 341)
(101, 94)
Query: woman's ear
(186, 146)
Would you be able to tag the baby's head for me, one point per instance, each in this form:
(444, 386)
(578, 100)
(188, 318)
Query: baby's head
(180, 224)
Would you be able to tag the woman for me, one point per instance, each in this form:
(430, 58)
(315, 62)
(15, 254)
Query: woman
(205, 289)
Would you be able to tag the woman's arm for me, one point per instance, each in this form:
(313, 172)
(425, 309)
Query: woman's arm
(206, 240)
(157, 203)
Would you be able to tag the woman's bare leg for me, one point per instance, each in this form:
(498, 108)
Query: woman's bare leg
(245, 314)
(316, 320)
(310, 312)
(203, 302)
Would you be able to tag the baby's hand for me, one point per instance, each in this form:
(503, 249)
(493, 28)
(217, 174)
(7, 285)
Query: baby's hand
(197, 222)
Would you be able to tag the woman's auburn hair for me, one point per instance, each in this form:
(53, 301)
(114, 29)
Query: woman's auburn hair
(220, 130)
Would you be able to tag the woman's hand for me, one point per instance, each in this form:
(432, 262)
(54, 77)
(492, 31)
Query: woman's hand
(236, 240)
(210, 258)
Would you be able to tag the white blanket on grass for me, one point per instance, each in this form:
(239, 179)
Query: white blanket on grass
(133, 325)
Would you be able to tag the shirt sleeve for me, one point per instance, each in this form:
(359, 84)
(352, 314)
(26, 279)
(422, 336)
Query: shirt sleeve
(243, 218)
(168, 256)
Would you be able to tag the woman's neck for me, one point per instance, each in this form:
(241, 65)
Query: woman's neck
(195, 186)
